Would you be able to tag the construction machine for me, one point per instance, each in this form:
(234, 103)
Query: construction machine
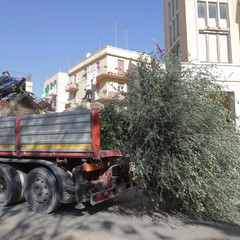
(10, 86)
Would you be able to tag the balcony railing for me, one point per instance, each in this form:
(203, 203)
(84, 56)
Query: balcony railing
(71, 87)
(111, 70)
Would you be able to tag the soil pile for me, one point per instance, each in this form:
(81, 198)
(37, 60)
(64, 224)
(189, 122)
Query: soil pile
(24, 104)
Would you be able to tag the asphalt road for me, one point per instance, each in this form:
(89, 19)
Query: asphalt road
(112, 220)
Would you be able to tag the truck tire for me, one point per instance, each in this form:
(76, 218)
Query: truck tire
(10, 185)
(41, 191)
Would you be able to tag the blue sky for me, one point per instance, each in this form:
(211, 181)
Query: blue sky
(43, 37)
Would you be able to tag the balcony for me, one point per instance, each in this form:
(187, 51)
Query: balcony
(112, 73)
(71, 87)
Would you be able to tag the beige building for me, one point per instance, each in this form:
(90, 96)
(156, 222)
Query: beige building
(209, 31)
(54, 91)
(100, 76)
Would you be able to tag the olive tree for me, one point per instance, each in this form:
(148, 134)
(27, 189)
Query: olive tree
(184, 142)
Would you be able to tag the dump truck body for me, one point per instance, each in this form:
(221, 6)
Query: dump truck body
(56, 158)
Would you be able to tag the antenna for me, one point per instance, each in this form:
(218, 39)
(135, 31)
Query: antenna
(99, 43)
(68, 63)
(126, 37)
(115, 31)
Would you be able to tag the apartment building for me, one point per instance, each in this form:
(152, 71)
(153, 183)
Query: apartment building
(101, 76)
(209, 32)
(54, 91)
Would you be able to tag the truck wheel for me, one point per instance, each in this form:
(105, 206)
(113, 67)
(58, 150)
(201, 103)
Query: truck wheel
(41, 191)
(10, 185)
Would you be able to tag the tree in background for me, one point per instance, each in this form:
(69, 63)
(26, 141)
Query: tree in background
(184, 142)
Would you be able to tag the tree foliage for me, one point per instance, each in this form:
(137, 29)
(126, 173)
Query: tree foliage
(114, 126)
(184, 142)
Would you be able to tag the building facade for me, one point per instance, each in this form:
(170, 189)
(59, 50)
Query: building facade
(54, 91)
(29, 84)
(208, 31)
(101, 76)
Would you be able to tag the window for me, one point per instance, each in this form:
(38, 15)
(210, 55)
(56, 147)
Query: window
(47, 90)
(212, 41)
(223, 10)
(74, 79)
(223, 46)
(169, 12)
(173, 12)
(212, 12)
(98, 65)
(176, 27)
(213, 47)
(201, 15)
(53, 85)
(120, 87)
(176, 5)
(201, 9)
(213, 38)
(85, 73)
(223, 15)
(170, 35)
(173, 29)
(120, 67)
(202, 47)
(173, 21)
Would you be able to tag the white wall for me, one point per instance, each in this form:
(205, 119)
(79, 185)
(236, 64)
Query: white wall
(62, 95)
